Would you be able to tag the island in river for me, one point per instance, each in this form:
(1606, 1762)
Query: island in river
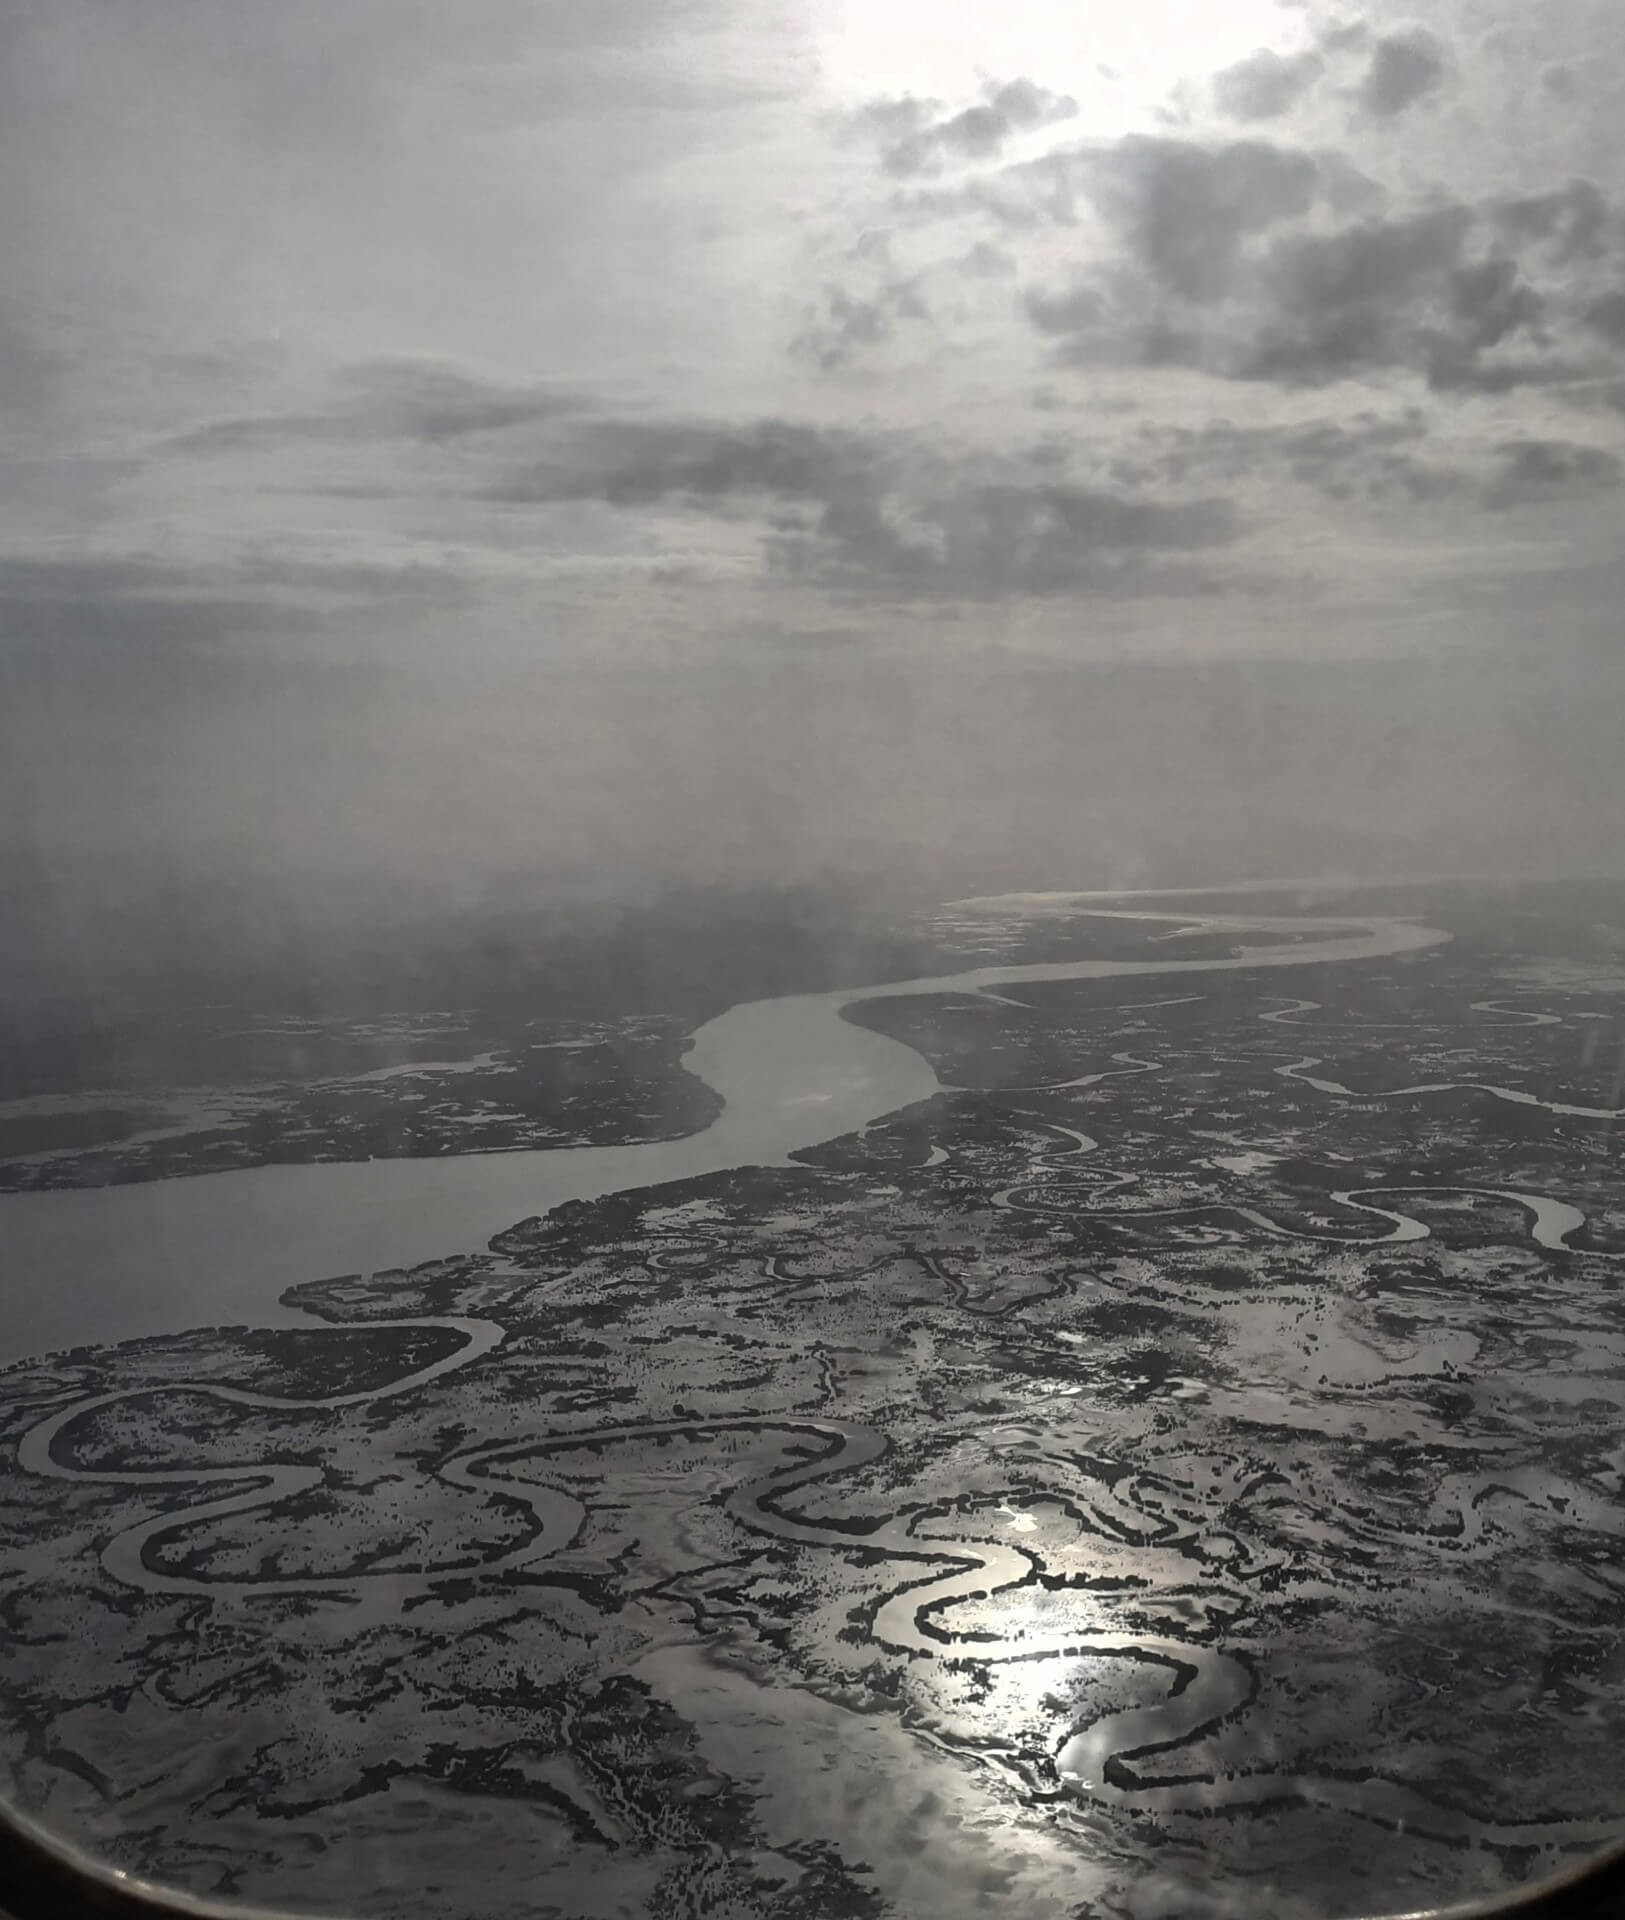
(1119, 1440)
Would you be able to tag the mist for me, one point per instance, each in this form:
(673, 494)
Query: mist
(342, 792)
(546, 458)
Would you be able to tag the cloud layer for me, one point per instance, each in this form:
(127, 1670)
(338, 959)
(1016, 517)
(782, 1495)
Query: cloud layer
(642, 339)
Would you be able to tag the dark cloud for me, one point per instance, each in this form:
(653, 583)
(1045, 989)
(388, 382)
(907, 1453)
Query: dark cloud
(1342, 302)
(631, 463)
(1021, 535)
(1007, 539)
(1186, 209)
(1535, 471)
(1074, 315)
(1570, 222)
(1376, 458)
(988, 262)
(1434, 293)
(893, 121)
(880, 515)
(1183, 211)
(1021, 105)
(1187, 217)
(388, 400)
(1606, 315)
(917, 136)
(428, 402)
(1241, 260)
(1406, 66)
(1266, 84)
(1021, 200)
(845, 324)
(1344, 37)
(1379, 460)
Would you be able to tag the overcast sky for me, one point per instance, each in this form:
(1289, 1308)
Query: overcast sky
(763, 437)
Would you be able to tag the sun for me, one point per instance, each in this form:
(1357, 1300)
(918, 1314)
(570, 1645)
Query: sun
(1122, 64)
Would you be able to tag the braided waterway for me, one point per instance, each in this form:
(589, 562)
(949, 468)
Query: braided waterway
(794, 1073)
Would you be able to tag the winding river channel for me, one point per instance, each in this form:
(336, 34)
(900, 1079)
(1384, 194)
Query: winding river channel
(792, 1072)
(117, 1263)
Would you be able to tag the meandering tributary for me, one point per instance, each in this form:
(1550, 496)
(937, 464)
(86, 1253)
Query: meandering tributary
(792, 1073)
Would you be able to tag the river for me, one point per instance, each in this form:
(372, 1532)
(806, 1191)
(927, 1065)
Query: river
(117, 1263)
